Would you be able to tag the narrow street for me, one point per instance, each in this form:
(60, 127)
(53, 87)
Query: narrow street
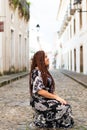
(15, 112)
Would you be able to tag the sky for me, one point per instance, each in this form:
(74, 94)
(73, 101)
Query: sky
(44, 13)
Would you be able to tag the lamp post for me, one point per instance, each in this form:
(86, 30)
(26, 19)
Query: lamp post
(38, 27)
(77, 6)
(38, 37)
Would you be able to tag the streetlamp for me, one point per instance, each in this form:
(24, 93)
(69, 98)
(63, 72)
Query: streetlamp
(38, 27)
(77, 6)
(38, 38)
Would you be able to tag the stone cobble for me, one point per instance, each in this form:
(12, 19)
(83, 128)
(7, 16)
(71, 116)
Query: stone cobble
(16, 113)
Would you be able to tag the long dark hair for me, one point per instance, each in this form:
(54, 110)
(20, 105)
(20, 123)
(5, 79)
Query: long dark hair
(38, 60)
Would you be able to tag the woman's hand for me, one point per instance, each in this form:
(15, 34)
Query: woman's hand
(46, 94)
(62, 101)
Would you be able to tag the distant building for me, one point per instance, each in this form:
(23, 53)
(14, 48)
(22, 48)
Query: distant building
(72, 35)
(14, 36)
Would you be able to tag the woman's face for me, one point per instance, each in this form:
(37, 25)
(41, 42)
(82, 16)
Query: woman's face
(46, 60)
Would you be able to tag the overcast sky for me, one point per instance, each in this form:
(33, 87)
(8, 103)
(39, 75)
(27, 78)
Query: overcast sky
(44, 13)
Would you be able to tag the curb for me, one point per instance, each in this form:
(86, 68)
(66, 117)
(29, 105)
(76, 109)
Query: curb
(13, 78)
(75, 79)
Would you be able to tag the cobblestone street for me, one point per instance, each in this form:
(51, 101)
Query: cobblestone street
(16, 114)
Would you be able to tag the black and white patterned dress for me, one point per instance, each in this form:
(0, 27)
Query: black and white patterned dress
(50, 113)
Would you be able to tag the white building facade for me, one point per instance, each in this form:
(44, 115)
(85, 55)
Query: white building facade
(14, 36)
(72, 36)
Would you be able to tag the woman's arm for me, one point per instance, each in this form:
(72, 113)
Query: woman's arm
(46, 94)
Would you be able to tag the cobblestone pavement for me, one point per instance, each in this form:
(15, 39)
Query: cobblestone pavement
(16, 114)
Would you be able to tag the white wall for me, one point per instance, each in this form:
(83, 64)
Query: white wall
(78, 39)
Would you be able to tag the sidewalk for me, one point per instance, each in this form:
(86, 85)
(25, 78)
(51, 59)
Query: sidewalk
(78, 77)
(5, 79)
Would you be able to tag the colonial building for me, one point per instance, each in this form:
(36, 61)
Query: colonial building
(72, 35)
(14, 36)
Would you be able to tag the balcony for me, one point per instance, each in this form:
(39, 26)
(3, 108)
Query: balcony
(23, 8)
(68, 18)
(65, 22)
(77, 1)
(13, 3)
(68, 15)
(72, 11)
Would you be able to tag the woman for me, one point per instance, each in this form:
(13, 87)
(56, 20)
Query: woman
(51, 110)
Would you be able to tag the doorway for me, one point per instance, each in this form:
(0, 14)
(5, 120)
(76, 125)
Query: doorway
(74, 59)
(81, 58)
(71, 60)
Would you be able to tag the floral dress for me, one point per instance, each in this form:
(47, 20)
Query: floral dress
(49, 113)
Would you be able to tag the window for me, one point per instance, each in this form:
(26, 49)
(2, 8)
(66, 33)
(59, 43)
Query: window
(20, 52)
(71, 59)
(25, 53)
(80, 18)
(12, 17)
(86, 9)
(75, 59)
(12, 48)
(81, 58)
(74, 26)
(70, 31)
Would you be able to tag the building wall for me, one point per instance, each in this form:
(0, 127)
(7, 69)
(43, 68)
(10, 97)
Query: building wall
(72, 38)
(14, 39)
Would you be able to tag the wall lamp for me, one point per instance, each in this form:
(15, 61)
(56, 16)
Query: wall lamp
(77, 6)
